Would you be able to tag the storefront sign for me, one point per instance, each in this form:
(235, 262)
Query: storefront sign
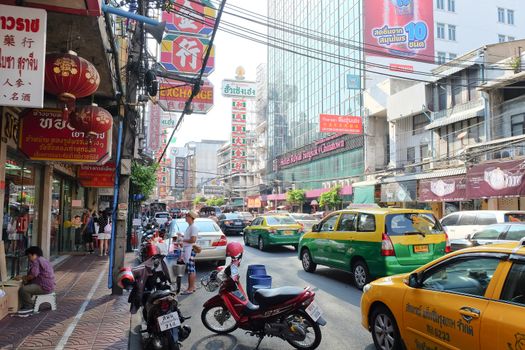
(10, 125)
(341, 124)
(45, 135)
(154, 127)
(322, 148)
(496, 179)
(209, 190)
(446, 189)
(190, 17)
(239, 88)
(400, 28)
(97, 175)
(398, 192)
(22, 56)
(173, 95)
(254, 202)
(184, 54)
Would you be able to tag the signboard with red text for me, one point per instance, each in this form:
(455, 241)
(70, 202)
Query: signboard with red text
(97, 175)
(22, 56)
(341, 124)
(44, 135)
(173, 95)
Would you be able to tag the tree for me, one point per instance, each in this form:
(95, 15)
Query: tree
(143, 178)
(215, 202)
(330, 199)
(296, 198)
(199, 199)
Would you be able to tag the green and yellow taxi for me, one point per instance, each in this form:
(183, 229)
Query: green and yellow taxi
(373, 242)
(473, 298)
(272, 230)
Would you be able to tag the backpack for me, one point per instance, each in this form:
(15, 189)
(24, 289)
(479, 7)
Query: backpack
(91, 226)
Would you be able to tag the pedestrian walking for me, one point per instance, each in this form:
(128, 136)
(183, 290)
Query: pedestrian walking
(104, 232)
(89, 231)
(189, 240)
(40, 279)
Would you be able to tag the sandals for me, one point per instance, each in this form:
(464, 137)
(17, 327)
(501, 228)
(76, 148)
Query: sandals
(188, 292)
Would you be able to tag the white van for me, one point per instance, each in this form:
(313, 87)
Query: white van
(462, 223)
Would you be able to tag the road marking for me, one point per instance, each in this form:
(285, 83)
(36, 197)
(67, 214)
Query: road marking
(80, 313)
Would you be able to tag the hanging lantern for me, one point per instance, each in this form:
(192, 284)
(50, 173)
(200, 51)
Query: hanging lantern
(69, 77)
(91, 120)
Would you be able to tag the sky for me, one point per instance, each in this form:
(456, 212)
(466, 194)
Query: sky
(230, 52)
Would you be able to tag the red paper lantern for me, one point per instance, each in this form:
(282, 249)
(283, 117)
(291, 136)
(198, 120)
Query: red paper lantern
(91, 120)
(69, 76)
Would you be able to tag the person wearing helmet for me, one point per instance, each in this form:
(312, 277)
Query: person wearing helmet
(234, 250)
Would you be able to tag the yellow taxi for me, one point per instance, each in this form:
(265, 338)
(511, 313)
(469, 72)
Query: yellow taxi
(470, 299)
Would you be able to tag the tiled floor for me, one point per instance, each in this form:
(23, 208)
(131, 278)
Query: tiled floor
(104, 324)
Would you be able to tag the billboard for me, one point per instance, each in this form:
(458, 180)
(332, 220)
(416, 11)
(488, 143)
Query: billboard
(399, 28)
(184, 54)
(190, 17)
(341, 124)
(173, 95)
(496, 179)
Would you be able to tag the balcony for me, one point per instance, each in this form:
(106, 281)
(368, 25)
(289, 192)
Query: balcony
(464, 111)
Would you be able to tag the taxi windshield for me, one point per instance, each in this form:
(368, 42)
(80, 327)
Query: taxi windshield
(412, 223)
(279, 220)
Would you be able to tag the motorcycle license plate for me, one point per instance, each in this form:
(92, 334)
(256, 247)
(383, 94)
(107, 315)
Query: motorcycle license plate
(168, 321)
(314, 311)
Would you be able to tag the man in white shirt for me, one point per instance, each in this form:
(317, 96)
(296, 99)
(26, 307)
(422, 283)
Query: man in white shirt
(190, 238)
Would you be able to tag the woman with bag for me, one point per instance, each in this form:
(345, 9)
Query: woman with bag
(104, 233)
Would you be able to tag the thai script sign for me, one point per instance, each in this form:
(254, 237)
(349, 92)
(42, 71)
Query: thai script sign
(173, 95)
(190, 17)
(44, 135)
(154, 127)
(322, 148)
(238, 88)
(400, 28)
(97, 175)
(22, 56)
(184, 54)
(341, 124)
(10, 128)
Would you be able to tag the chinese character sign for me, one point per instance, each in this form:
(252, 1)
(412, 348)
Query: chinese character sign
(184, 54)
(238, 139)
(22, 56)
(190, 17)
(400, 28)
(173, 95)
(154, 127)
(341, 124)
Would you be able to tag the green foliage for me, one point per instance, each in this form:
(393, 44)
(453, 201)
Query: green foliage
(296, 197)
(199, 199)
(143, 178)
(331, 199)
(215, 202)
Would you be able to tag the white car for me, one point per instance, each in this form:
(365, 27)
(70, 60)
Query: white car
(460, 224)
(211, 239)
(305, 220)
(161, 217)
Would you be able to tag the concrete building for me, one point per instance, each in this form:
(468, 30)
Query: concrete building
(201, 164)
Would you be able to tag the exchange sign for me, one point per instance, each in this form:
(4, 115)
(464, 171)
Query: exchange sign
(184, 54)
(190, 17)
(174, 94)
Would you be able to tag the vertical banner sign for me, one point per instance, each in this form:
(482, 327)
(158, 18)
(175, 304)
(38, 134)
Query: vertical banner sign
(190, 17)
(238, 142)
(154, 127)
(400, 28)
(22, 56)
(180, 163)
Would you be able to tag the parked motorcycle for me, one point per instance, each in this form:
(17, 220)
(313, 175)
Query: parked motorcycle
(289, 313)
(152, 290)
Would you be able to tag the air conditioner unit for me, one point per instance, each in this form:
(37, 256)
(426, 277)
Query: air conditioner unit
(427, 163)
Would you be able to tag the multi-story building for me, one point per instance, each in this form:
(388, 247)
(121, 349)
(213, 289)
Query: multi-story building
(201, 164)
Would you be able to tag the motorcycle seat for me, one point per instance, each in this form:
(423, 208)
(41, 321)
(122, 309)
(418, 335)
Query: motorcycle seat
(267, 297)
(158, 294)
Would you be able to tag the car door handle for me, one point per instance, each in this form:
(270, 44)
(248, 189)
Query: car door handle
(469, 313)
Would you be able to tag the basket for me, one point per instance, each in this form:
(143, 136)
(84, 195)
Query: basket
(211, 282)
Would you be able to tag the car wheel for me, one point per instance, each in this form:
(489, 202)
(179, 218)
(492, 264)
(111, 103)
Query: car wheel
(261, 244)
(245, 238)
(308, 263)
(360, 274)
(384, 329)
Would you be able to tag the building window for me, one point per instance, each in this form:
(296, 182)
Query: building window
(517, 124)
(472, 82)
(441, 4)
(418, 124)
(424, 151)
(501, 15)
(411, 155)
(440, 31)
(442, 97)
(510, 16)
(451, 32)
(441, 57)
(501, 38)
(452, 56)
(452, 5)
(457, 88)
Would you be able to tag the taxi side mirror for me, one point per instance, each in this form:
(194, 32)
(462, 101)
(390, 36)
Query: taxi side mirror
(414, 280)
(315, 228)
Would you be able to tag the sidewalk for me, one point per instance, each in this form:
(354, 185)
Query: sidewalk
(87, 316)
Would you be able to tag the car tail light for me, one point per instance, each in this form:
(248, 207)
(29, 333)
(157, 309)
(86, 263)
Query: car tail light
(387, 248)
(272, 231)
(246, 222)
(227, 222)
(221, 242)
(165, 305)
(448, 248)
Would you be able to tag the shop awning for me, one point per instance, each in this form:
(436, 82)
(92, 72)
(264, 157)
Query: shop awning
(428, 175)
(364, 194)
(276, 197)
(456, 117)
(346, 191)
(316, 193)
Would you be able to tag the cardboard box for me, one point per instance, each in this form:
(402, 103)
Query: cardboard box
(3, 306)
(11, 289)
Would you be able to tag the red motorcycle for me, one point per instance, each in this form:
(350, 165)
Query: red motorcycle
(289, 313)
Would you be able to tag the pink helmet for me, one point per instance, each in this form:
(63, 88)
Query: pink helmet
(234, 250)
